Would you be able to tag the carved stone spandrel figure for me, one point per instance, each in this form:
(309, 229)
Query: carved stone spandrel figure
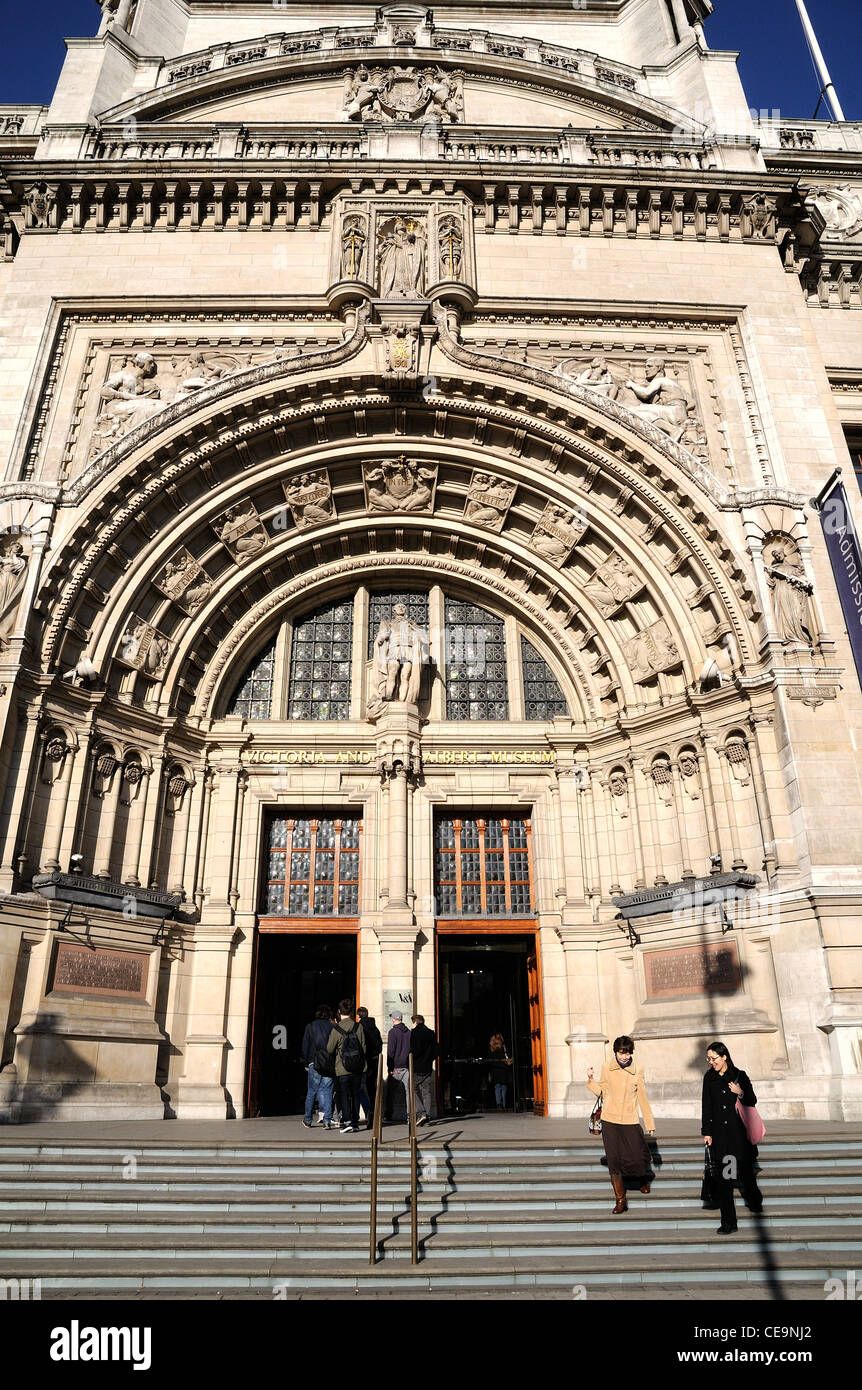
(661, 400)
(129, 397)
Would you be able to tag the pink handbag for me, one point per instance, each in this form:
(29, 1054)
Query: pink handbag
(754, 1126)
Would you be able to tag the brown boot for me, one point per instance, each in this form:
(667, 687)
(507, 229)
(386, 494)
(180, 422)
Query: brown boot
(645, 1187)
(620, 1194)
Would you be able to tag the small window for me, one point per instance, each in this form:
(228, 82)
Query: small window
(312, 867)
(320, 664)
(476, 686)
(543, 698)
(482, 867)
(252, 698)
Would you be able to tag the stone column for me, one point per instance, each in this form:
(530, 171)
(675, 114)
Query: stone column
(175, 877)
(679, 799)
(57, 811)
(586, 1037)
(220, 844)
(714, 832)
(637, 766)
(139, 779)
(399, 761)
(732, 826)
(18, 789)
(107, 821)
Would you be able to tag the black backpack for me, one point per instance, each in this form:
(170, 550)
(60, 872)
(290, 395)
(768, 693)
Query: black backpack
(324, 1062)
(352, 1056)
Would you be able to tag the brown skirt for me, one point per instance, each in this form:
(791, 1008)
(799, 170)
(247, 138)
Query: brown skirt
(626, 1149)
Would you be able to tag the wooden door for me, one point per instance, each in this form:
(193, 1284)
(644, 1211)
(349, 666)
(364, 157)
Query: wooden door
(537, 1043)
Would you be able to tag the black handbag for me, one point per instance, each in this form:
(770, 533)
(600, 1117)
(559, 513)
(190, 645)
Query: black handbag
(708, 1190)
(596, 1118)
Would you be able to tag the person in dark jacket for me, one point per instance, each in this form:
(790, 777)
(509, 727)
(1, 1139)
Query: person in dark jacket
(314, 1040)
(731, 1155)
(347, 1080)
(423, 1045)
(373, 1049)
(397, 1055)
(500, 1070)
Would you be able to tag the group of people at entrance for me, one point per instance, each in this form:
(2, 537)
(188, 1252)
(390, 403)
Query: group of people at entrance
(341, 1057)
(730, 1156)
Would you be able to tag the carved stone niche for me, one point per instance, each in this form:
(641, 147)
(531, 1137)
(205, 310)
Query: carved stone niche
(54, 755)
(785, 575)
(400, 249)
(105, 768)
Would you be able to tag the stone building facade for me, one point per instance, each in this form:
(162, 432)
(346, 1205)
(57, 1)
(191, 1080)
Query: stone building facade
(410, 425)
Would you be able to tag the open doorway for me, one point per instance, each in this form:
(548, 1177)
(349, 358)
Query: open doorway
(294, 972)
(487, 984)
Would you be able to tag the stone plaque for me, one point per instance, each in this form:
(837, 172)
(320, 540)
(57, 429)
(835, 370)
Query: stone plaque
(692, 971)
(79, 970)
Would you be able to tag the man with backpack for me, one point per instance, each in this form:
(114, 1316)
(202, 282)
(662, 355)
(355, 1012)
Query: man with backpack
(347, 1043)
(373, 1049)
(318, 1064)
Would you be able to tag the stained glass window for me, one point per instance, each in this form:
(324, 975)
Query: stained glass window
(312, 867)
(543, 698)
(252, 698)
(475, 663)
(320, 664)
(482, 867)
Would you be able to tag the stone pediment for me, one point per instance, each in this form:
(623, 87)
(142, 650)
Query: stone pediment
(475, 77)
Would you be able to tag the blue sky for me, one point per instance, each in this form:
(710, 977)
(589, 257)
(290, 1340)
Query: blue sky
(775, 66)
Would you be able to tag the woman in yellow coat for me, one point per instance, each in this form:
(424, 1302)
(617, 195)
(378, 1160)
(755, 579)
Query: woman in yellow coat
(623, 1091)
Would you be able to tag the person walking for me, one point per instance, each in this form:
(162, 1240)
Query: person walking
(500, 1070)
(319, 1066)
(373, 1049)
(397, 1054)
(423, 1045)
(624, 1092)
(347, 1042)
(731, 1154)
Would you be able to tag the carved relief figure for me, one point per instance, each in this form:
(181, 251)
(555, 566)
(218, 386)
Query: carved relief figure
(364, 91)
(310, 498)
(400, 651)
(662, 779)
(401, 258)
(144, 648)
(488, 501)
(241, 530)
(841, 206)
(403, 94)
(353, 239)
(790, 590)
(444, 93)
(687, 764)
(612, 584)
(619, 789)
(399, 486)
(596, 375)
(450, 244)
(130, 397)
(650, 651)
(185, 582)
(13, 570)
(198, 371)
(557, 532)
(663, 401)
(40, 199)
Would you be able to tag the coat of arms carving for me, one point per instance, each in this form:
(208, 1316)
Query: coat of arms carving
(403, 94)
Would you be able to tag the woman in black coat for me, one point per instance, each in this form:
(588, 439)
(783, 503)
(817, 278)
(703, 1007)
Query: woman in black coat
(731, 1154)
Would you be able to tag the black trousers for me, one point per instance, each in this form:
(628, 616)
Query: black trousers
(747, 1183)
(348, 1099)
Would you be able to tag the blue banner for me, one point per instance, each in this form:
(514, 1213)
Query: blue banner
(842, 544)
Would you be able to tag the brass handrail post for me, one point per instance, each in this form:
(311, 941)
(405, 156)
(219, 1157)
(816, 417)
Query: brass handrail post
(414, 1171)
(376, 1132)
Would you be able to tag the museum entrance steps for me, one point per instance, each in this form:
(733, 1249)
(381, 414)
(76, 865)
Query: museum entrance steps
(288, 1217)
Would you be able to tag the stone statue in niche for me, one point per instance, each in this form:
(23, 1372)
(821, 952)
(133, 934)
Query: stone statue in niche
(401, 485)
(401, 258)
(400, 652)
(488, 501)
(557, 532)
(13, 572)
(144, 648)
(310, 498)
(353, 239)
(613, 584)
(650, 651)
(790, 590)
(185, 582)
(450, 246)
(241, 530)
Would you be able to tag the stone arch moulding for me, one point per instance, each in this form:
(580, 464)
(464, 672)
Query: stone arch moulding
(586, 79)
(545, 483)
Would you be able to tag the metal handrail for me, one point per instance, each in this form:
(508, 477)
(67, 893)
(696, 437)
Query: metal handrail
(414, 1170)
(376, 1139)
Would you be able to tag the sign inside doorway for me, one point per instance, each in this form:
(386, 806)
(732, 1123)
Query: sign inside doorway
(399, 1001)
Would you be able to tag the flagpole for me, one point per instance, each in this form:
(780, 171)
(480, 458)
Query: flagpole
(826, 88)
